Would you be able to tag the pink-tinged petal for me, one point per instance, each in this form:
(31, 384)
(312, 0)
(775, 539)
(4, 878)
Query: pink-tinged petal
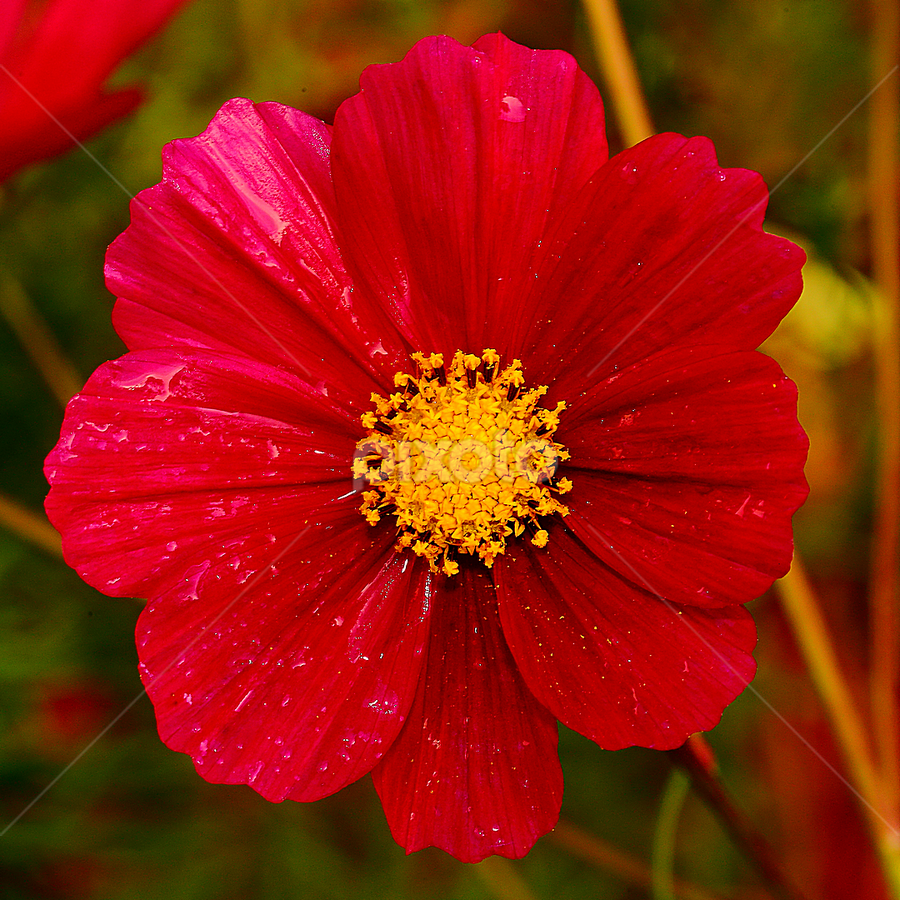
(235, 250)
(475, 769)
(447, 167)
(59, 63)
(167, 457)
(662, 248)
(297, 680)
(689, 462)
(612, 661)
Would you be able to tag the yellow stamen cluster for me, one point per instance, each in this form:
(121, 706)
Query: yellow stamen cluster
(463, 457)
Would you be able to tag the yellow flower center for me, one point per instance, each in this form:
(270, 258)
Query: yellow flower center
(463, 457)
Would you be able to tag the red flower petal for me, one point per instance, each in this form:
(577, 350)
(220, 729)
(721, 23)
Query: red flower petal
(62, 62)
(222, 488)
(697, 462)
(662, 247)
(610, 660)
(10, 17)
(475, 769)
(235, 250)
(95, 34)
(697, 544)
(284, 644)
(163, 440)
(46, 139)
(701, 413)
(447, 167)
(298, 681)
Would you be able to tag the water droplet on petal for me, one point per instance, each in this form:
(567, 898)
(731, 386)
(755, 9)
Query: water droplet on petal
(512, 109)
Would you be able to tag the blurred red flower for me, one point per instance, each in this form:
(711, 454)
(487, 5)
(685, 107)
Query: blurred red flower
(282, 273)
(56, 56)
(73, 713)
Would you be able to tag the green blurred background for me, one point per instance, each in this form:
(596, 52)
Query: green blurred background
(766, 80)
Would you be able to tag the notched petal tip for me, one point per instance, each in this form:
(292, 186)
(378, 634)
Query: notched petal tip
(475, 770)
(309, 699)
(610, 659)
(472, 150)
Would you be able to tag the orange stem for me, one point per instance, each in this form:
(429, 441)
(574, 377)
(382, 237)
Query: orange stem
(698, 759)
(502, 878)
(808, 626)
(619, 70)
(38, 341)
(884, 584)
(30, 526)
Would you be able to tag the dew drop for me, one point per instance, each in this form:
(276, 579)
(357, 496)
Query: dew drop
(512, 109)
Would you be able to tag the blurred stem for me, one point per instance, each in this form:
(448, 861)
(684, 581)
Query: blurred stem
(610, 859)
(38, 341)
(503, 880)
(697, 758)
(884, 582)
(619, 70)
(662, 854)
(28, 525)
(809, 629)
(811, 634)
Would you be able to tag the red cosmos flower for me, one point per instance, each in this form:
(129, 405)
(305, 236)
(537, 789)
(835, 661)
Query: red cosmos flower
(515, 562)
(60, 53)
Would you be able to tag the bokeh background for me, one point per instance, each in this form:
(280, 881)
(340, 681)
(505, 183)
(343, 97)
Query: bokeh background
(767, 80)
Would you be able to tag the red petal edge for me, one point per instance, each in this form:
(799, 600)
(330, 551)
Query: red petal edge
(609, 659)
(687, 468)
(235, 250)
(475, 770)
(63, 61)
(664, 248)
(297, 682)
(447, 167)
(161, 440)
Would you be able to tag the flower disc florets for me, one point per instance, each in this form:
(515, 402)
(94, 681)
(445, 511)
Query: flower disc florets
(463, 457)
